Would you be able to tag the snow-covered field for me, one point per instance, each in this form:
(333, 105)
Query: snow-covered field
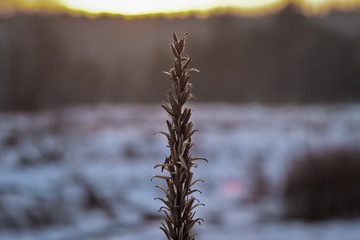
(84, 173)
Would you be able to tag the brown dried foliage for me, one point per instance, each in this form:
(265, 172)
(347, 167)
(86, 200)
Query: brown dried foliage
(179, 202)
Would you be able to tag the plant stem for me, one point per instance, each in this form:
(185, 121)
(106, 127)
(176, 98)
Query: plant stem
(179, 202)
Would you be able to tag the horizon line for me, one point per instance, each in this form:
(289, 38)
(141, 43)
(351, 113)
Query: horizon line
(303, 8)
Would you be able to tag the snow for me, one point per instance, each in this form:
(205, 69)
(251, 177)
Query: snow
(50, 160)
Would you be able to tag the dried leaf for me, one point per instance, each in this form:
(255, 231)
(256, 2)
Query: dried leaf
(198, 180)
(191, 133)
(173, 49)
(182, 162)
(195, 190)
(167, 109)
(165, 191)
(165, 229)
(186, 64)
(163, 165)
(192, 70)
(175, 37)
(159, 176)
(191, 225)
(165, 202)
(167, 73)
(198, 158)
(188, 204)
(196, 205)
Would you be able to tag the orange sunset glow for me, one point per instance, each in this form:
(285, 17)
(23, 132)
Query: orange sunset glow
(166, 7)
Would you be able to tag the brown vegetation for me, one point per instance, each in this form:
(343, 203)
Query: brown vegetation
(179, 202)
(324, 185)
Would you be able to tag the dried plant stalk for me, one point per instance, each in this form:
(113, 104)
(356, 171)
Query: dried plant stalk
(179, 202)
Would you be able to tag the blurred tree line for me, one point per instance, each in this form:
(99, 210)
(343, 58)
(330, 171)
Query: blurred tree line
(56, 61)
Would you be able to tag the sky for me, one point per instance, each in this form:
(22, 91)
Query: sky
(168, 7)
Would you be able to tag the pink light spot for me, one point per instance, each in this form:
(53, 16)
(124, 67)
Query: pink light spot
(232, 188)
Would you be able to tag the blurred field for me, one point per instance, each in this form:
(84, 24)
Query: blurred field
(84, 172)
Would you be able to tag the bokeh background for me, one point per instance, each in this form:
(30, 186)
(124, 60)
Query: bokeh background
(276, 103)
